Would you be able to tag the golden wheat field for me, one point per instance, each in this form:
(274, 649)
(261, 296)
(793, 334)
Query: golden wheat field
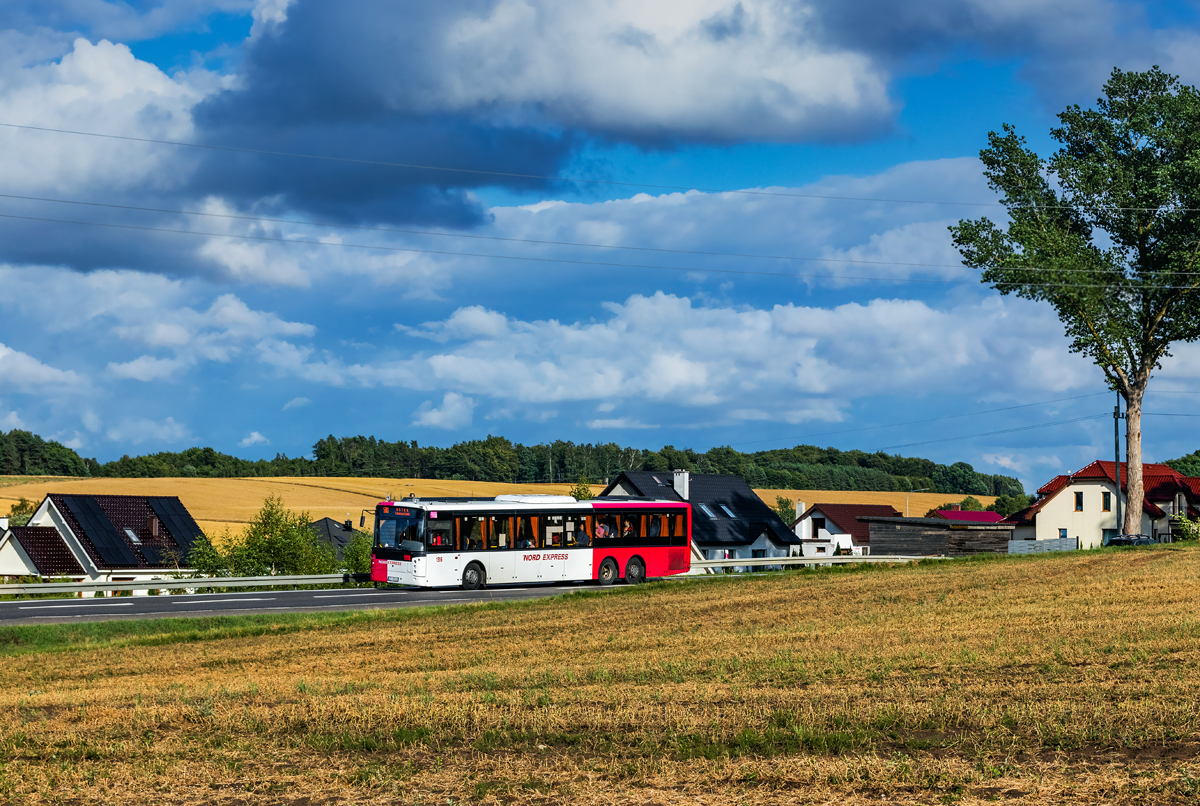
(1025, 680)
(228, 504)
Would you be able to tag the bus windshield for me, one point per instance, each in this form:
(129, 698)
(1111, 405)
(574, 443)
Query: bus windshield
(391, 530)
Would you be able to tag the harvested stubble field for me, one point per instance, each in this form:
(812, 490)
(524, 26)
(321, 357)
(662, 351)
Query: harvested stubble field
(1051, 679)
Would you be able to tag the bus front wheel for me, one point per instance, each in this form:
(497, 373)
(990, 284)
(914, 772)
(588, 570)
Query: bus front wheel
(473, 577)
(635, 572)
(608, 572)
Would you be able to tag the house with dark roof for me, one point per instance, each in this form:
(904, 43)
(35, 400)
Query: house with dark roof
(336, 533)
(826, 528)
(729, 520)
(1082, 504)
(101, 537)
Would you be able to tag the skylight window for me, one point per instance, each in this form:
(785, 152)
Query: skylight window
(130, 534)
(726, 510)
(704, 508)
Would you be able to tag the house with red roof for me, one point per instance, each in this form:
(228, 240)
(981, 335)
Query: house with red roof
(1082, 504)
(824, 529)
(956, 513)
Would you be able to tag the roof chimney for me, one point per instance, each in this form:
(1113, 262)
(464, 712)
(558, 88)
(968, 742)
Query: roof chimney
(3, 524)
(682, 483)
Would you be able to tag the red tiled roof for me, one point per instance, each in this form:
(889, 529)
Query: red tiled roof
(1159, 482)
(845, 516)
(49, 552)
(963, 515)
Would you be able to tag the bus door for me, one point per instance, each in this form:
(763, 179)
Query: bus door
(578, 527)
(554, 547)
(503, 564)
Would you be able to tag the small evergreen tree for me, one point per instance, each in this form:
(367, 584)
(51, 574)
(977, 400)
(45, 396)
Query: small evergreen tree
(785, 509)
(582, 491)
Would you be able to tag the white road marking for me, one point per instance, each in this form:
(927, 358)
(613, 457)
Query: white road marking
(220, 601)
(77, 606)
(348, 595)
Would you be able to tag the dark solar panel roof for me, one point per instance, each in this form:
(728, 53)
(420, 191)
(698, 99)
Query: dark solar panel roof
(750, 516)
(117, 531)
(177, 519)
(112, 547)
(46, 549)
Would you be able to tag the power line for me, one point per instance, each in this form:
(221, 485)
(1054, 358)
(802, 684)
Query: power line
(564, 261)
(549, 178)
(1166, 414)
(473, 236)
(917, 422)
(1002, 431)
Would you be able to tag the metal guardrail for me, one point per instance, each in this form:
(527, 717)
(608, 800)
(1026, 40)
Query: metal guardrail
(760, 562)
(184, 584)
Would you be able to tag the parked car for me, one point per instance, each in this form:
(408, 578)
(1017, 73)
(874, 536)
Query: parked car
(1131, 540)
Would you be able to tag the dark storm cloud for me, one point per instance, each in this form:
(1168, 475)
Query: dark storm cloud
(349, 85)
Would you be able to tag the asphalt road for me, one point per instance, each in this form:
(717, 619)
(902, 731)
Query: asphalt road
(50, 611)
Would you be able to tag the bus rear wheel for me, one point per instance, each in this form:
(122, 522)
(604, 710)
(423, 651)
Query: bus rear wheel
(473, 577)
(608, 572)
(635, 572)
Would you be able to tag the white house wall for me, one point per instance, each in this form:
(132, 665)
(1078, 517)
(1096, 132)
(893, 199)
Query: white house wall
(14, 562)
(1088, 525)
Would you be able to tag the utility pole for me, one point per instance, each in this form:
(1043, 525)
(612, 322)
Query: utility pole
(1117, 454)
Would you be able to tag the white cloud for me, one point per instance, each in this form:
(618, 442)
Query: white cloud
(296, 403)
(142, 430)
(454, 413)
(91, 422)
(97, 87)
(145, 368)
(11, 420)
(710, 69)
(24, 372)
(618, 423)
(254, 438)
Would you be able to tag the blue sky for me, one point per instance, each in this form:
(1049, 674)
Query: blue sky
(134, 337)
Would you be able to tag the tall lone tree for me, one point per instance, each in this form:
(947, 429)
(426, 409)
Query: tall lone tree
(1107, 230)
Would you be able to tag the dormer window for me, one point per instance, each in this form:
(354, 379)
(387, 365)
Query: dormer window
(133, 537)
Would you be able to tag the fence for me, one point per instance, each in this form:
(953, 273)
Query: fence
(1039, 546)
(769, 562)
(184, 584)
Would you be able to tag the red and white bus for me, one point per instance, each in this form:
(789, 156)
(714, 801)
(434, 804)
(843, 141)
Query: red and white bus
(517, 539)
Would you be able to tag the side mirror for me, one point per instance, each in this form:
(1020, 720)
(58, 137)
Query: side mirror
(362, 520)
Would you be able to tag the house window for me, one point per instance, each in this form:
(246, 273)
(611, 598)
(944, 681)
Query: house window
(820, 549)
(1062, 534)
(132, 536)
(818, 525)
(1079, 502)
(1107, 502)
(756, 554)
(704, 508)
(727, 511)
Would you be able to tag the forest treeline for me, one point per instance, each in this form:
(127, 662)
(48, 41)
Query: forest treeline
(804, 467)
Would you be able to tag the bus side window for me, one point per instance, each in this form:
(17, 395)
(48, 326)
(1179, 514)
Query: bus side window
(631, 529)
(552, 532)
(526, 539)
(679, 529)
(439, 534)
(499, 532)
(470, 534)
(578, 533)
(606, 531)
(654, 530)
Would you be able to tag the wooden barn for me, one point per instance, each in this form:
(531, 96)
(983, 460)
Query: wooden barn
(931, 537)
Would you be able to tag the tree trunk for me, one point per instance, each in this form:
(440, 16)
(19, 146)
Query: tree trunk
(1135, 489)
